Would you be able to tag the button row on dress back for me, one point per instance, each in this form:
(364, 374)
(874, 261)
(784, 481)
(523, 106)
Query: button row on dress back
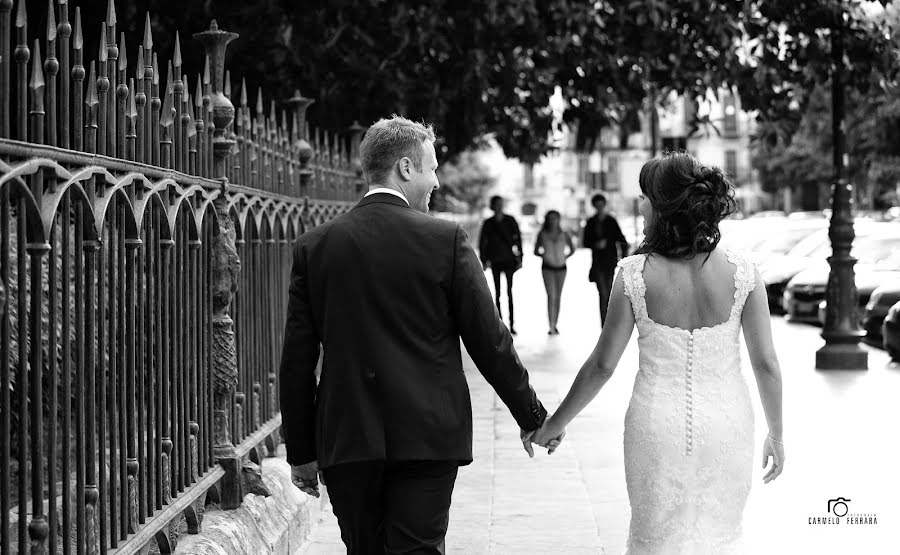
(689, 396)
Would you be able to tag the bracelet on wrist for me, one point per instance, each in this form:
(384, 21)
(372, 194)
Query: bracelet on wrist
(773, 440)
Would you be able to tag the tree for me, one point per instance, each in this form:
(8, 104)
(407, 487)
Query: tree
(467, 179)
(800, 152)
(479, 67)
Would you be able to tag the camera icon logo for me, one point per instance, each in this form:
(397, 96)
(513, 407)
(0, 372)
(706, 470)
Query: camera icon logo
(838, 506)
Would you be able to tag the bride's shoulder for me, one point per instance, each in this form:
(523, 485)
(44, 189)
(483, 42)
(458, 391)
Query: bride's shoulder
(633, 261)
(737, 257)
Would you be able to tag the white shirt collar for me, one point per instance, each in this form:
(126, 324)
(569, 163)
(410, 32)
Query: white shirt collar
(394, 192)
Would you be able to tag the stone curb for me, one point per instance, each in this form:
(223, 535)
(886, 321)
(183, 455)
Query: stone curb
(280, 523)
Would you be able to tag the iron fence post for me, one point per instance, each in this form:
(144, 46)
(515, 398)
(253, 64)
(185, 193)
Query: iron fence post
(302, 147)
(226, 271)
(356, 134)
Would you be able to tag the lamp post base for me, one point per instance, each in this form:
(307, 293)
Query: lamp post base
(842, 356)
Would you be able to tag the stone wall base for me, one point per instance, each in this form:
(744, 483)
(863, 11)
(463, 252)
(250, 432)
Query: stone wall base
(278, 524)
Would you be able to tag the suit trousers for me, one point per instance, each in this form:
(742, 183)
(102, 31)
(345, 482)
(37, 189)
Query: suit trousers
(392, 507)
(509, 270)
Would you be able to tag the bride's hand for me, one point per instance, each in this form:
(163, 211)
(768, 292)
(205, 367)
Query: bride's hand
(773, 449)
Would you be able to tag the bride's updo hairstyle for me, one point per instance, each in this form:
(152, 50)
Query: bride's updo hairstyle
(689, 200)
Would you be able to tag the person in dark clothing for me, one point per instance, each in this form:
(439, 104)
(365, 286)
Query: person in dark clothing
(500, 246)
(604, 237)
(384, 293)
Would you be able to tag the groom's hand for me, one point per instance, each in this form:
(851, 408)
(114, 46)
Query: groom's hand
(305, 477)
(526, 441)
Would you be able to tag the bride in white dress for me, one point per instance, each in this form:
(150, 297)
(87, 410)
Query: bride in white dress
(689, 426)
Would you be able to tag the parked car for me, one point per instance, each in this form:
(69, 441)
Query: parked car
(783, 237)
(878, 256)
(877, 309)
(873, 315)
(745, 235)
(890, 331)
(813, 250)
(777, 270)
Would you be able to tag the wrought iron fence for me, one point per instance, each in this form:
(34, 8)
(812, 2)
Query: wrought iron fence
(145, 248)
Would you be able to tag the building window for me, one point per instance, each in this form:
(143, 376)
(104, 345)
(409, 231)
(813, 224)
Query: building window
(731, 163)
(730, 122)
(611, 180)
(582, 177)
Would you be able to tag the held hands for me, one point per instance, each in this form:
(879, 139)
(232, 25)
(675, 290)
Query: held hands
(306, 477)
(774, 449)
(546, 436)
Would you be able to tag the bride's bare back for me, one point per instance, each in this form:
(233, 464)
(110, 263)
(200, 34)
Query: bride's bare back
(689, 294)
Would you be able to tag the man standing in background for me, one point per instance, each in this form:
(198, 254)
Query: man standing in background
(604, 237)
(500, 248)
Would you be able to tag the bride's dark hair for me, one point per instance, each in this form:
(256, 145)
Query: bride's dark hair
(689, 200)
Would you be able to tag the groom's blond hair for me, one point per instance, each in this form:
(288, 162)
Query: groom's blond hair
(389, 140)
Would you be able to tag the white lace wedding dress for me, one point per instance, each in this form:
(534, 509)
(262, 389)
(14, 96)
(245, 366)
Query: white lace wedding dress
(688, 429)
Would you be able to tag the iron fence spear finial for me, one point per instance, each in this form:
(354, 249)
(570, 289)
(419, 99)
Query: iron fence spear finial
(111, 13)
(176, 58)
(123, 58)
(148, 35)
(165, 118)
(37, 80)
(51, 23)
(78, 38)
(103, 52)
(132, 109)
(21, 15)
(92, 94)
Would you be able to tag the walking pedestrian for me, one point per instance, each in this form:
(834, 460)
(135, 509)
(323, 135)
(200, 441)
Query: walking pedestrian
(604, 237)
(500, 247)
(551, 245)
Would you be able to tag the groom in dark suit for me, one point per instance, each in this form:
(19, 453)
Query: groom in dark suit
(388, 291)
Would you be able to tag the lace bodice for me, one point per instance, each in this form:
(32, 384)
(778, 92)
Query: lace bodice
(689, 427)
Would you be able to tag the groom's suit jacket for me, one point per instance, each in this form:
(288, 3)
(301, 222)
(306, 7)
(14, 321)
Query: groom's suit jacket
(388, 291)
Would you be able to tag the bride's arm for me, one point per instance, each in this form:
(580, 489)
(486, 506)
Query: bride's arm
(599, 366)
(758, 336)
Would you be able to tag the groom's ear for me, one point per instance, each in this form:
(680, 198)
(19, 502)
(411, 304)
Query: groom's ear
(405, 166)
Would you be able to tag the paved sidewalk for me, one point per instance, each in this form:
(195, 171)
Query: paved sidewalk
(839, 428)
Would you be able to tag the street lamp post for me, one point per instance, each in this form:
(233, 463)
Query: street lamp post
(842, 332)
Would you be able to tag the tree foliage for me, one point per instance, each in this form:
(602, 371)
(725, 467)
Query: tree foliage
(801, 152)
(467, 179)
(475, 67)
